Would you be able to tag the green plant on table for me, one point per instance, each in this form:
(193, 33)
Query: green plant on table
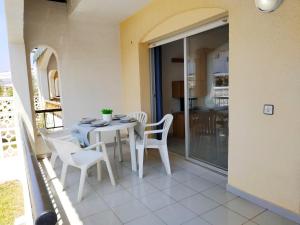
(106, 111)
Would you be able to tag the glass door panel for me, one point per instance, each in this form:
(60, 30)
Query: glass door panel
(207, 96)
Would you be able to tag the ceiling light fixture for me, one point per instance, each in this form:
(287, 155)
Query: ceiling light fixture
(268, 5)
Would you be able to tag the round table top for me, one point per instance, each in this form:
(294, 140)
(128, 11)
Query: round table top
(115, 125)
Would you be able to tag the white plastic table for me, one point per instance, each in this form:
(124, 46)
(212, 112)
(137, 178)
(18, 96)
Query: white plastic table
(116, 125)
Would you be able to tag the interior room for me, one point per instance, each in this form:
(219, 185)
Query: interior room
(205, 94)
(173, 93)
(208, 86)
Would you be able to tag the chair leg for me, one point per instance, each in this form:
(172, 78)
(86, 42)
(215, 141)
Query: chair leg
(64, 174)
(53, 158)
(164, 154)
(141, 161)
(110, 172)
(99, 171)
(119, 146)
(81, 183)
(115, 144)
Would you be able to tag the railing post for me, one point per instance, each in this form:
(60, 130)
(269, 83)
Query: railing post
(53, 119)
(1, 147)
(7, 126)
(51, 111)
(45, 121)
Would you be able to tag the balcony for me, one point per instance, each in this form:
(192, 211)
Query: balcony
(82, 56)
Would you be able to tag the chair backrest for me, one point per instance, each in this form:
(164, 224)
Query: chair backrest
(64, 149)
(204, 123)
(139, 116)
(166, 126)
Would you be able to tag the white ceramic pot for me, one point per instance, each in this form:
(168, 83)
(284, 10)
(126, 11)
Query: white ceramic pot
(107, 117)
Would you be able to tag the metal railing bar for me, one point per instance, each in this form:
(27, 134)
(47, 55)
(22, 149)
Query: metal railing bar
(42, 208)
(48, 110)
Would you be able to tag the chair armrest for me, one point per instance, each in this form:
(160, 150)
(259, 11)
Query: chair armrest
(103, 147)
(154, 124)
(153, 132)
(151, 125)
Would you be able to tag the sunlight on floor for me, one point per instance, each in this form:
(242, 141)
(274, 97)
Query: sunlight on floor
(192, 195)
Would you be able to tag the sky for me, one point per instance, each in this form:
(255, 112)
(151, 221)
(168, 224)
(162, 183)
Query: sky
(4, 57)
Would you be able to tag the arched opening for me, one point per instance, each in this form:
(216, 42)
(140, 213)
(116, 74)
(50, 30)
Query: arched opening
(54, 89)
(45, 78)
(56, 86)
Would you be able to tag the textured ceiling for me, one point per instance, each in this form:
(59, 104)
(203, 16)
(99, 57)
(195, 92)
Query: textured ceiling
(107, 11)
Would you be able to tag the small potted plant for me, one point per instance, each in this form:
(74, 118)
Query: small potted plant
(107, 114)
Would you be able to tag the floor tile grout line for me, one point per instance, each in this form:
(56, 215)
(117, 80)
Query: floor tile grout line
(150, 213)
(111, 209)
(235, 196)
(158, 208)
(264, 209)
(179, 204)
(247, 220)
(203, 212)
(182, 198)
(176, 202)
(182, 168)
(159, 190)
(108, 210)
(195, 218)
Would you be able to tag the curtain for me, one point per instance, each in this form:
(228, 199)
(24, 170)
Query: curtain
(158, 85)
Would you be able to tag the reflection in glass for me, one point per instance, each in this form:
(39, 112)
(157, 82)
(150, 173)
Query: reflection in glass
(208, 81)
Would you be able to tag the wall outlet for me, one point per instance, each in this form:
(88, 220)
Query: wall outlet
(268, 109)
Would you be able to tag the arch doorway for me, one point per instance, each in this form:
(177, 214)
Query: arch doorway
(45, 78)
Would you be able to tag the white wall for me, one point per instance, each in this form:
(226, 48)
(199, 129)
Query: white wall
(88, 58)
(20, 83)
(4, 55)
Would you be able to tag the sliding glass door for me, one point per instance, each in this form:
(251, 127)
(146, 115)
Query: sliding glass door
(191, 81)
(207, 97)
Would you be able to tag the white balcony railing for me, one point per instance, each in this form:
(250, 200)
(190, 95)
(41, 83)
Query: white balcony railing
(8, 142)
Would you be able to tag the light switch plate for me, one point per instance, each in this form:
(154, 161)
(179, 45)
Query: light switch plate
(268, 109)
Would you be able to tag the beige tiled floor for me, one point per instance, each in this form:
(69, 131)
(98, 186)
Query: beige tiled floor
(191, 196)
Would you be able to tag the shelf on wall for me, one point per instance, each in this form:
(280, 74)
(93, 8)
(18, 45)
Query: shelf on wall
(220, 74)
(222, 97)
(221, 87)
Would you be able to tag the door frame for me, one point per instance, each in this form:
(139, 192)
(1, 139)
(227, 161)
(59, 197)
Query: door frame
(212, 25)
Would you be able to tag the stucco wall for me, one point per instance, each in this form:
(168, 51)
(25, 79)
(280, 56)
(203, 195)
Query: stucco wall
(264, 154)
(88, 58)
(17, 57)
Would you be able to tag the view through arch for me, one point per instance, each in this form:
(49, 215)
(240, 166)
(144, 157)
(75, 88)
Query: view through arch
(45, 79)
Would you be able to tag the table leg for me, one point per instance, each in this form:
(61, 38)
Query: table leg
(119, 146)
(98, 148)
(98, 139)
(132, 148)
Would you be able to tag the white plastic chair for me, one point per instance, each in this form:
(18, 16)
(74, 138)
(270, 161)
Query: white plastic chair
(73, 155)
(141, 117)
(61, 134)
(161, 145)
